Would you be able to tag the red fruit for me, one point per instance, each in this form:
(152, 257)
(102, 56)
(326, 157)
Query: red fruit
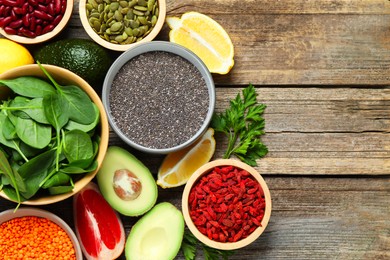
(98, 227)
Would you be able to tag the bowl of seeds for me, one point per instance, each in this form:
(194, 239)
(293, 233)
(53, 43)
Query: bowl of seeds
(159, 97)
(119, 25)
(226, 204)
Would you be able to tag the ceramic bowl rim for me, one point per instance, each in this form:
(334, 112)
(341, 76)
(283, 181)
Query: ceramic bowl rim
(165, 47)
(205, 169)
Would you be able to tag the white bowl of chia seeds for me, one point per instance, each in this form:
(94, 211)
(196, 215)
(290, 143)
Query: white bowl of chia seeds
(159, 97)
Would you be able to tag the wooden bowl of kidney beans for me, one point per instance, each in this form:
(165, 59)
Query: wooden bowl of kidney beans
(226, 204)
(33, 21)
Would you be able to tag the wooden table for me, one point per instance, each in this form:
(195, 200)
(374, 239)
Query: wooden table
(323, 69)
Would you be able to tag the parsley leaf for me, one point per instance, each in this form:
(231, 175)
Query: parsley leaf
(190, 245)
(243, 124)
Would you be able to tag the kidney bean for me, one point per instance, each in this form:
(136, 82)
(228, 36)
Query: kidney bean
(15, 24)
(38, 30)
(42, 15)
(18, 10)
(47, 28)
(50, 9)
(28, 33)
(10, 30)
(33, 24)
(5, 21)
(57, 6)
(10, 3)
(42, 8)
(26, 20)
(33, 2)
(63, 7)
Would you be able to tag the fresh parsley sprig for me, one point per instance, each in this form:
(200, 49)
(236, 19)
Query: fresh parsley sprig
(190, 245)
(243, 124)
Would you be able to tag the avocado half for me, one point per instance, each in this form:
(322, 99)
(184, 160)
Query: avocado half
(126, 183)
(156, 235)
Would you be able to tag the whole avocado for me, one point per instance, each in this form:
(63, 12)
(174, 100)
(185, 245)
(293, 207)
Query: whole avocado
(81, 56)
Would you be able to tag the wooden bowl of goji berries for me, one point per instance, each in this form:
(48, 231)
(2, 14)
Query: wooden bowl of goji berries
(33, 21)
(226, 204)
(32, 233)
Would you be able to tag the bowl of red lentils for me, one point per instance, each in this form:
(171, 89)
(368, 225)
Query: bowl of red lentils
(32, 233)
(33, 21)
(226, 204)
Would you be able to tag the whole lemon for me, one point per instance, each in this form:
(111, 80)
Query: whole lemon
(13, 55)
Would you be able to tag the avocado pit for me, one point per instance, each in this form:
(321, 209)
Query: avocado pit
(126, 185)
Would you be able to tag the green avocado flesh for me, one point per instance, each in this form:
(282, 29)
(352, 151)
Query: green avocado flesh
(157, 235)
(134, 191)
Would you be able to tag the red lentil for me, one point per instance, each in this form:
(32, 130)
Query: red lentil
(227, 204)
(33, 237)
(30, 18)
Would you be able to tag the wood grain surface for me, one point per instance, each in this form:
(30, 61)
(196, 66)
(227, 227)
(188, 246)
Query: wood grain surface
(323, 70)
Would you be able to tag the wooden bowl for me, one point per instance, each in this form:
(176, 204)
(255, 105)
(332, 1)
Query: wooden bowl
(34, 212)
(63, 76)
(47, 36)
(204, 170)
(122, 47)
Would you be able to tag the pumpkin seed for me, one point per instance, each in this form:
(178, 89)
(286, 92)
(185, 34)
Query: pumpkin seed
(114, 6)
(122, 21)
(136, 12)
(140, 8)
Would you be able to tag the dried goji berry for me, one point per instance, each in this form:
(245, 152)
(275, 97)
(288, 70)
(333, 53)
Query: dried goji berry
(227, 204)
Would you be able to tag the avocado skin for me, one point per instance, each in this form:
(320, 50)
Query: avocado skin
(81, 56)
(118, 158)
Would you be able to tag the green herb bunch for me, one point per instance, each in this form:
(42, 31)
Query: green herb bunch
(243, 124)
(191, 244)
(47, 137)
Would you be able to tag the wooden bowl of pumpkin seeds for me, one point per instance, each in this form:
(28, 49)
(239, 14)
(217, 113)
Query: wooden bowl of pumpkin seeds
(120, 24)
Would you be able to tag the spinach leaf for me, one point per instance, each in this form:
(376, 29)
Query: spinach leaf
(12, 143)
(60, 189)
(58, 179)
(81, 108)
(29, 86)
(9, 130)
(57, 113)
(78, 170)
(72, 125)
(56, 110)
(80, 105)
(6, 169)
(35, 171)
(32, 133)
(33, 109)
(77, 146)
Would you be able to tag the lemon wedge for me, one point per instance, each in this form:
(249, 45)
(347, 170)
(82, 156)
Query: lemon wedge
(177, 167)
(206, 38)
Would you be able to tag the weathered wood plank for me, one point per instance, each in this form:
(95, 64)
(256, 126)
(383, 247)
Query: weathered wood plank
(218, 7)
(295, 42)
(312, 218)
(321, 130)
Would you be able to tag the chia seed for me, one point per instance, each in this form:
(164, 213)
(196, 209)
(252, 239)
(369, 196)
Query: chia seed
(159, 100)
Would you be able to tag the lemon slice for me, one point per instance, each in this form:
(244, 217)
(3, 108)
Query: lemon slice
(178, 167)
(206, 38)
